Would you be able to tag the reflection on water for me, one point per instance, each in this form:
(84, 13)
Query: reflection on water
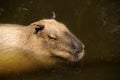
(95, 22)
(101, 72)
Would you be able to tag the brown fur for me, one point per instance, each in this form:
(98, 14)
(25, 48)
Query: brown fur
(23, 49)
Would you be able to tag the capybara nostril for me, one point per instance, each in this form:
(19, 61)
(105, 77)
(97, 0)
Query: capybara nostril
(77, 51)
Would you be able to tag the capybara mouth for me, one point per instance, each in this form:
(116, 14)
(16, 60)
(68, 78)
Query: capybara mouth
(77, 57)
(71, 58)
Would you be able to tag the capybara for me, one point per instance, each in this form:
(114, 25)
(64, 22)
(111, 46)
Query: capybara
(37, 45)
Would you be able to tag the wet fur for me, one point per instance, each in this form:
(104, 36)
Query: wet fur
(23, 49)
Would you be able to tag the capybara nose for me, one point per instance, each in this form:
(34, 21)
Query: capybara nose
(79, 49)
(76, 51)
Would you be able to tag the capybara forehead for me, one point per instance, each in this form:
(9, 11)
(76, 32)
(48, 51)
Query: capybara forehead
(53, 25)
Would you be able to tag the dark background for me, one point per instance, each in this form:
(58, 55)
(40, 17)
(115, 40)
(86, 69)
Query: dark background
(95, 22)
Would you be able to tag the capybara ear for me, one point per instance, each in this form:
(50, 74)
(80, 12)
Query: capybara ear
(39, 28)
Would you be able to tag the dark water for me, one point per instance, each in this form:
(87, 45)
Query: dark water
(95, 22)
(104, 72)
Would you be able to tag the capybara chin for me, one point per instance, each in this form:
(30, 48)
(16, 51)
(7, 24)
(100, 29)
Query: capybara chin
(37, 45)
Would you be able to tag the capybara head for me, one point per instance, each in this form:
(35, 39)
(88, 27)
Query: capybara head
(55, 40)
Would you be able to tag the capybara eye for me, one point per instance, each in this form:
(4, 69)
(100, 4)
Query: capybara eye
(51, 37)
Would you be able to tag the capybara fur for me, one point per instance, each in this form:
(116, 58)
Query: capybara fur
(37, 45)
